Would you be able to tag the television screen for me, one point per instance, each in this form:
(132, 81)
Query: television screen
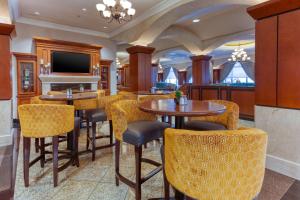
(69, 62)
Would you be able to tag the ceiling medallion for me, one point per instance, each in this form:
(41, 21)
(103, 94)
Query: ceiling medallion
(238, 55)
(118, 10)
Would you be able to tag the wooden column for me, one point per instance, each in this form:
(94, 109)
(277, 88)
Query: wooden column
(126, 75)
(216, 75)
(160, 76)
(201, 72)
(5, 60)
(181, 77)
(140, 68)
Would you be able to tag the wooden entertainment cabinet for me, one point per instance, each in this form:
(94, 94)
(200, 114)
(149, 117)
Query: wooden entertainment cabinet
(28, 65)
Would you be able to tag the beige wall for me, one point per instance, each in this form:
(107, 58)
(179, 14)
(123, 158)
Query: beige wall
(283, 128)
(4, 12)
(23, 42)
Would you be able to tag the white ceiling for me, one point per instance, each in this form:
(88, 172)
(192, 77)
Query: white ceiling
(69, 12)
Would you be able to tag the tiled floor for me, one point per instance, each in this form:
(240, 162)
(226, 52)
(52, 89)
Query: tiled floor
(95, 180)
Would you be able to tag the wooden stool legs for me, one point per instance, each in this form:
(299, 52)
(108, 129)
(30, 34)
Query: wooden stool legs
(111, 134)
(117, 161)
(26, 159)
(138, 175)
(55, 160)
(94, 124)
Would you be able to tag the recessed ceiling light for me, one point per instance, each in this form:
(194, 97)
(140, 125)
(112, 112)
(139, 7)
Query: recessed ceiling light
(196, 20)
(105, 27)
(36, 13)
(84, 9)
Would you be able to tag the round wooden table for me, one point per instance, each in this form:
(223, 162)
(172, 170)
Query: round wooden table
(193, 108)
(154, 93)
(70, 100)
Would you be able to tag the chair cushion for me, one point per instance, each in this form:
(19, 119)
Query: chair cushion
(142, 132)
(96, 115)
(203, 126)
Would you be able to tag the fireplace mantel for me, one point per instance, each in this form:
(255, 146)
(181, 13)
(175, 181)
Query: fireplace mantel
(47, 80)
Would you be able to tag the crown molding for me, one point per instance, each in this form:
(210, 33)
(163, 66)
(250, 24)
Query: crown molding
(164, 5)
(51, 25)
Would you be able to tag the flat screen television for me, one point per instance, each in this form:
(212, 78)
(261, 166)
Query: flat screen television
(69, 62)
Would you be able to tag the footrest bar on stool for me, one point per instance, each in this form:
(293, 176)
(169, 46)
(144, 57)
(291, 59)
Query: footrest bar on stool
(151, 174)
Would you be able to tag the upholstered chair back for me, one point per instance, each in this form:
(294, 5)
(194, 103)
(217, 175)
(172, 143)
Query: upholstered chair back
(37, 100)
(86, 104)
(128, 95)
(209, 165)
(155, 97)
(124, 112)
(100, 93)
(106, 103)
(39, 121)
(230, 118)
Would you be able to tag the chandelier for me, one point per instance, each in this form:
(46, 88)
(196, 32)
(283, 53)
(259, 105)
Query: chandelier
(239, 54)
(119, 10)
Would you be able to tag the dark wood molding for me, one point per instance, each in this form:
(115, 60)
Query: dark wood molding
(272, 8)
(24, 56)
(106, 62)
(62, 42)
(201, 57)
(6, 29)
(140, 49)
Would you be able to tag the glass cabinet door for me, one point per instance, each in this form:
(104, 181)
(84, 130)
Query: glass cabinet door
(27, 77)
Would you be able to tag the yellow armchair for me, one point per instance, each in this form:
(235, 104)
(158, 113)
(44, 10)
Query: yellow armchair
(230, 118)
(124, 112)
(206, 165)
(37, 100)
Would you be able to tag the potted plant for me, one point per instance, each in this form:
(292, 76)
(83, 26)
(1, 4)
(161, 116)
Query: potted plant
(178, 94)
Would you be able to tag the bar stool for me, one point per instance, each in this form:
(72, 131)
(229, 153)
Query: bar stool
(135, 127)
(37, 100)
(228, 120)
(222, 164)
(42, 121)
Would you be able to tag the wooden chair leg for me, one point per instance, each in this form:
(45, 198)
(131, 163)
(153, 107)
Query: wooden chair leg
(117, 160)
(166, 186)
(26, 157)
(178, 195)
(42, 148)
(76, 132)
(88, 134)
(138, 181)
(110, 132)
(36, 144)
(55, 160)
(94, 124)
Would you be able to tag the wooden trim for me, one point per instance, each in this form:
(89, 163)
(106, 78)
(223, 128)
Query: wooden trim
(24, 56)
(201, 57)
(272, 8)
(42, 40)
(106, 62)
(140, 49)
(6, 29)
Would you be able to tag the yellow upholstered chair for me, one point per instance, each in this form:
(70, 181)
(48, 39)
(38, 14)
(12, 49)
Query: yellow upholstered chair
(206, 165)
(54, 92)
(100, 93)
(135, 127)
(128, 95)
(228, 120)
(42, 121)
(37, 100)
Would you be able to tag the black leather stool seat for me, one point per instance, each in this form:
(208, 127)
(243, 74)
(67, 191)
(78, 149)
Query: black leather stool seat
(203, 126)
(96, 115)
(142, 132)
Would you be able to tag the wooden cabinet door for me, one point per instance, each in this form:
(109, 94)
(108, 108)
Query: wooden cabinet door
(266, 62)
(289, 60)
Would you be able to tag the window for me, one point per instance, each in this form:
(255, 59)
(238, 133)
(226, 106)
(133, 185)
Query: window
(238, 75)
(171, 78)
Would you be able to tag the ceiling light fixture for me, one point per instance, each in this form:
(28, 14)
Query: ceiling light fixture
(196, 20)
(36, 13)
(238, 55)
(118, 10)
(84, 9)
